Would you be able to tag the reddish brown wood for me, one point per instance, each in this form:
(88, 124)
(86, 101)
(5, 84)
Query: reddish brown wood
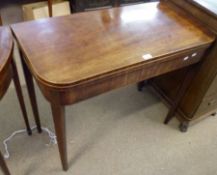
(31, 91)
(58, 112)
(82, 91)
(8, 71)
(0, 20)
(189, 75)
(3, 165)
(50, 8)
(76, 57)
(20, 96)
(124, 36)
(200, 100)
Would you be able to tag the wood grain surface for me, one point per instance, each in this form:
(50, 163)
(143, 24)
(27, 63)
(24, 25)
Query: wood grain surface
(197, 102)
(65, 51)
(83, 55)
(6, 47)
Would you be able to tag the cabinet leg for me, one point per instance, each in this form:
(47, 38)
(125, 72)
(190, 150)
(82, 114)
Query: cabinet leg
(184, 126)
(31, 92)
(58, 112)
(170, 115)
(181, 92)
(20, 96)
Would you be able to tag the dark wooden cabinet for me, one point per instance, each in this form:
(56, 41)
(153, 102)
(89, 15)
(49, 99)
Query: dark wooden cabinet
(4, 3)
(98, 3)
(82, 5)
(130, 1)
(200, 100)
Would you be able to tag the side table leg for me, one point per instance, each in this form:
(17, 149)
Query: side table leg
(31, 91)
(58, 112)
(20, 96)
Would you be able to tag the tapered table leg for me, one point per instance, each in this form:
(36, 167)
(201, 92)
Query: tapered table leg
(31, 91)
(0, 20)
(50, 9)
(181, 92)
(20, 96)
(3, 165)
(58, 112)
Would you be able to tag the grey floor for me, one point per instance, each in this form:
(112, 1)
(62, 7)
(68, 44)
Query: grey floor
(117, 133)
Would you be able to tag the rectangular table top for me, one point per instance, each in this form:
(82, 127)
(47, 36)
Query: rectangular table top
(64, 51)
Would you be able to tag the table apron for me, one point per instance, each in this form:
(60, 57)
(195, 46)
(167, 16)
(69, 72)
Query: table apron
(85, 90)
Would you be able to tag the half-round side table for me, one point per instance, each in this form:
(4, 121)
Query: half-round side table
(8, 72)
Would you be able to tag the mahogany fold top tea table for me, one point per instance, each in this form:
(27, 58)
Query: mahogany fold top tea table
(76, 57)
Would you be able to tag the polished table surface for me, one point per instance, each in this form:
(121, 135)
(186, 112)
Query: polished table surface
(83, 55)
(67, 50)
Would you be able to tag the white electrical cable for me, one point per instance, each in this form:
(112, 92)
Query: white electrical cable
(51, 135)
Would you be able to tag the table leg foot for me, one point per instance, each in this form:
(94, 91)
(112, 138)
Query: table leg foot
(20, 96)
(58, 112)
(3, 165)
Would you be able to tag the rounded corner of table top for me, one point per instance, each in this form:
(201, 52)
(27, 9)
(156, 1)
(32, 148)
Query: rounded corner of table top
(6, 46)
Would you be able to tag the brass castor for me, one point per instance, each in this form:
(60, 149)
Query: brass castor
(184, 126)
